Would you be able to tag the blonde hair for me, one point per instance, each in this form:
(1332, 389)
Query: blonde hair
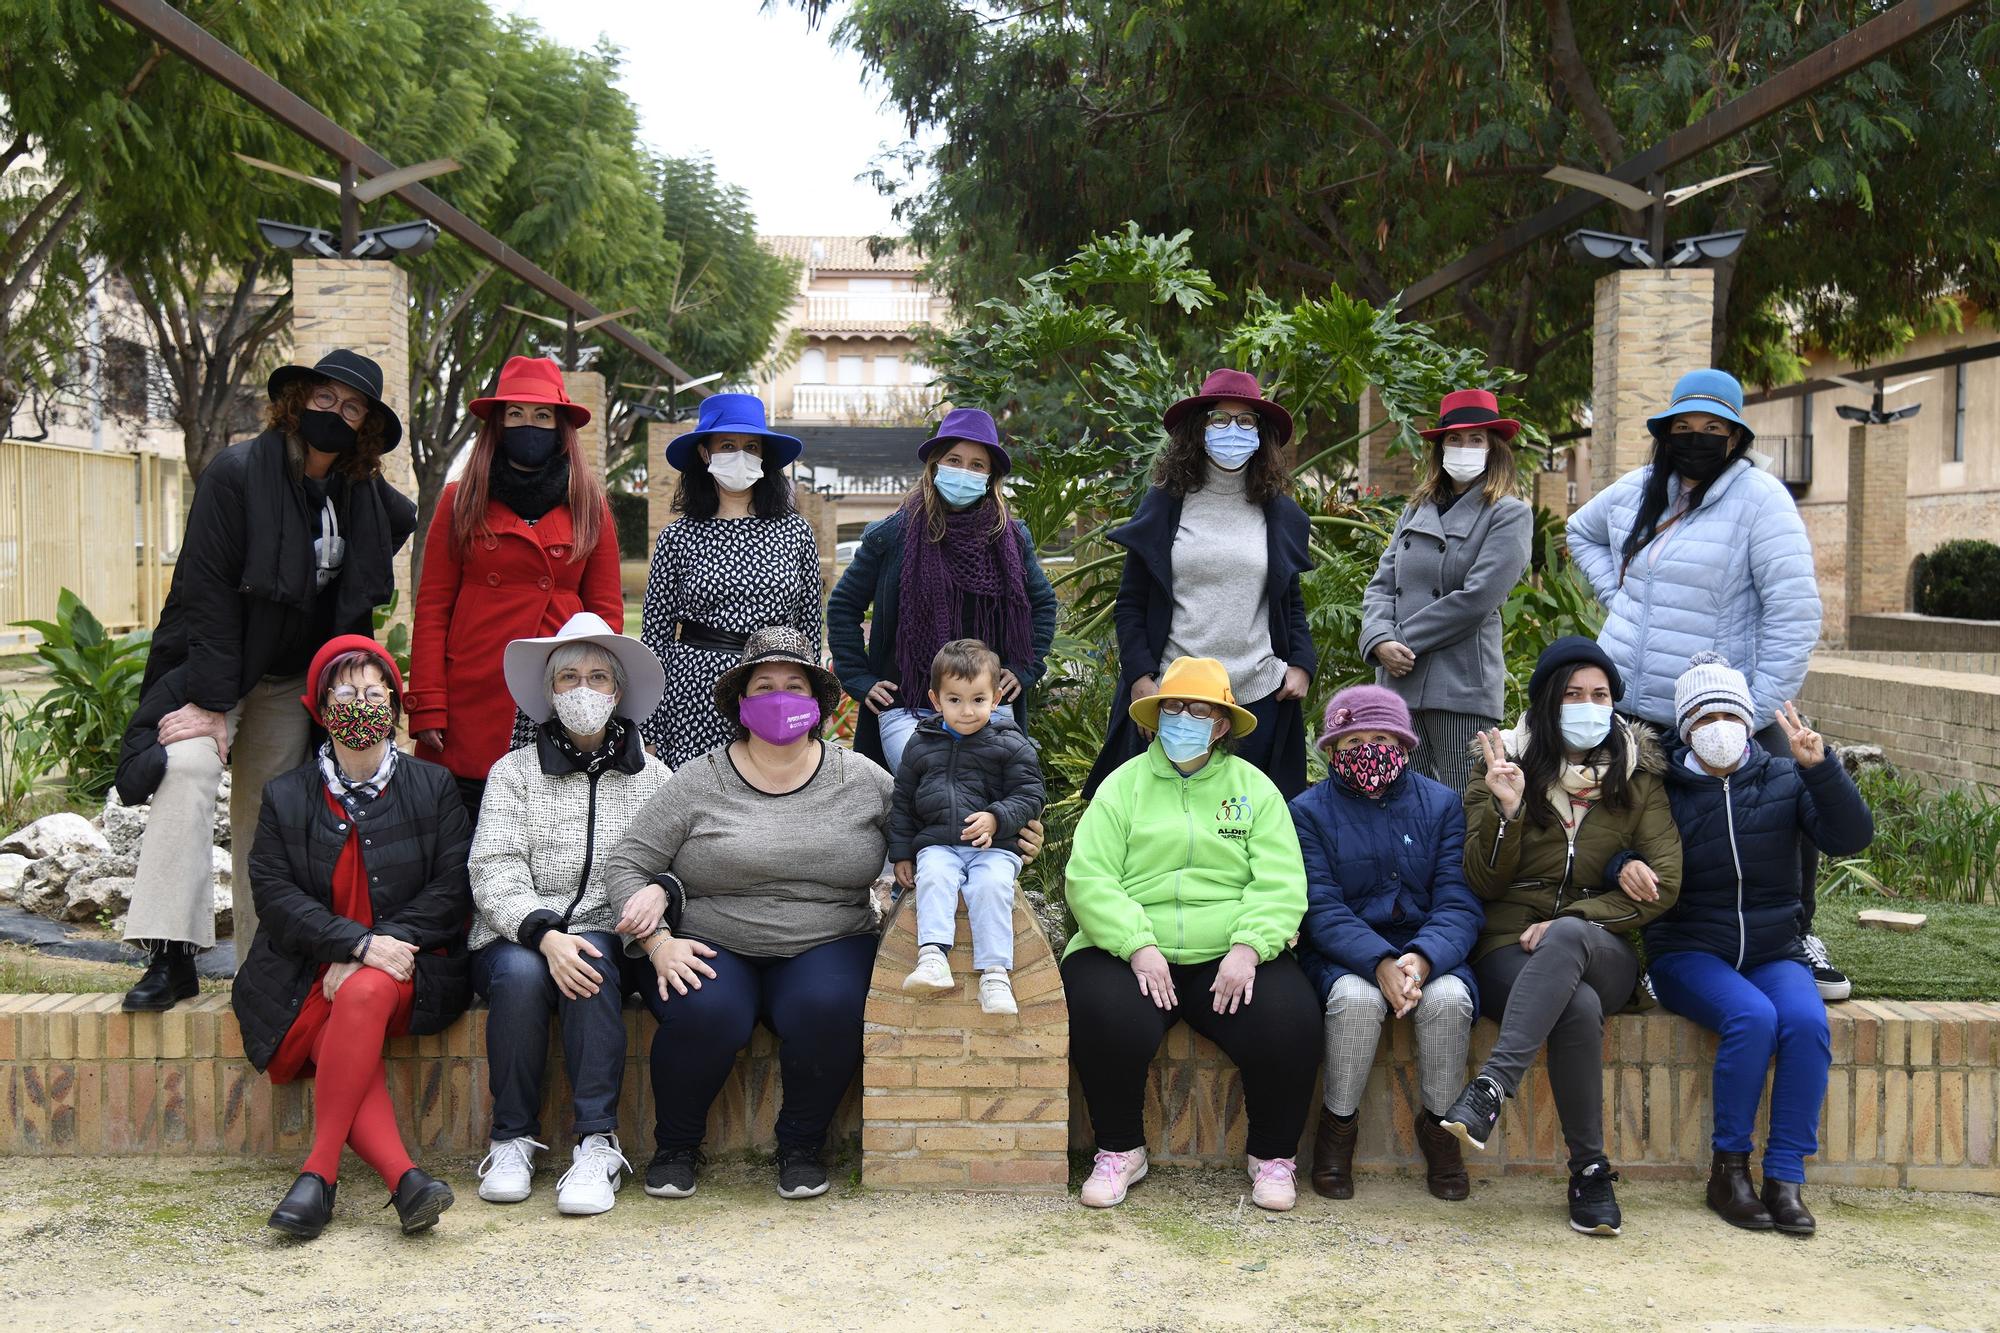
(1500, 480)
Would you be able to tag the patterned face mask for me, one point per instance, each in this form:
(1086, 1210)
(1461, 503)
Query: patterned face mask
(357, 723)
(1370, 767)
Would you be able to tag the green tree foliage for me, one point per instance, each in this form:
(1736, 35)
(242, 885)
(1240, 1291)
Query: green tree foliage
(1365, 146)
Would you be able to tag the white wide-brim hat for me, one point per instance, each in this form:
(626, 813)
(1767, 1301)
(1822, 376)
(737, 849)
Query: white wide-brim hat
(527, 664)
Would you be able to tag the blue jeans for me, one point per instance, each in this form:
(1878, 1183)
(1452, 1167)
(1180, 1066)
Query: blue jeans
(896, 725)
(986, 875)
(1772, 1008)
(813, 1002)
(521, 998)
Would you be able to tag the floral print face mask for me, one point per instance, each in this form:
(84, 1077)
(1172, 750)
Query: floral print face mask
(1370, 767)
(356, 723)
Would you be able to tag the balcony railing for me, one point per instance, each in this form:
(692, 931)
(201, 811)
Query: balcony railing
(864, 403)
(1791, 459)
(890, 309)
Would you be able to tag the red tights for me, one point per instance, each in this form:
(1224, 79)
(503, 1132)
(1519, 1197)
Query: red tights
(351, 1100)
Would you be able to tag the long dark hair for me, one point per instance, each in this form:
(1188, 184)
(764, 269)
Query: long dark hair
(1653, 504)
(1182, 467)
(1547, 753)
(699, 497)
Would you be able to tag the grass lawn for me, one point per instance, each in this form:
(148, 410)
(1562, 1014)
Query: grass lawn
(1956, 956)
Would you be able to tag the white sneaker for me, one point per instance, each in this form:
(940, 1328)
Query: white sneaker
(591, 1184)
(1274, 1183)
(932, 973)
(507, 1175)
(996, 993)
(1113, 1174)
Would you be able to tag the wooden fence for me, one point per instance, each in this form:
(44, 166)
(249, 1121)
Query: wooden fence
(98, 523)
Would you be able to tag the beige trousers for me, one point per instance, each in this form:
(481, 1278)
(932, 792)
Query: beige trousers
(173, 898)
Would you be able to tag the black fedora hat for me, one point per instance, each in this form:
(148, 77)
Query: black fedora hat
(356, 372)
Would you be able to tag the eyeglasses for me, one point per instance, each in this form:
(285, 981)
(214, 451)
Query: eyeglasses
(347, 694)
(569, 678)
(1247, 420)
(354, 410)
(1194, 708)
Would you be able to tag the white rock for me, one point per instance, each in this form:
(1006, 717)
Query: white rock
(52, 835)
(103, 896)
(45, 886)
(123, 825)
(12, 868)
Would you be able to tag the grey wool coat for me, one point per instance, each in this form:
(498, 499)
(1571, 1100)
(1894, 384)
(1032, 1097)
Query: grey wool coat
(1438, 591)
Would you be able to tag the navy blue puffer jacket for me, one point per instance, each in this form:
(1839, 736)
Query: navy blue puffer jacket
(1739, 848)
(1384, 878)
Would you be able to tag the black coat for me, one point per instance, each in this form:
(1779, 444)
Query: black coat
(1739, 896)
(1144, 615)
(416, 837)
(243, 580)
(945, 779)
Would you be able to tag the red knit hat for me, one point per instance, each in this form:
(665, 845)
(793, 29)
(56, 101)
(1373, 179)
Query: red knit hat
(1366, 708)
(338, 647)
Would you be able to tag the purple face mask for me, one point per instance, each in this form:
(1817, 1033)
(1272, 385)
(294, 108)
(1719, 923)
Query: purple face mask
(778, 718)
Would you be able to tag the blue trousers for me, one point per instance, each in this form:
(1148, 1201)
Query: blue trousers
(813, 1002)
(1773, 1008)
(986, 876)
(521, 998)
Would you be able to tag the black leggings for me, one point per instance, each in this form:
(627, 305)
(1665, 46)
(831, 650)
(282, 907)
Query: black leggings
(1114, 1032)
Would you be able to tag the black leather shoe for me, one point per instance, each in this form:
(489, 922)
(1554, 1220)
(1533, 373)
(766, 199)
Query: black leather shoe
(1730, 1194)
(306, 1208)
(169, 979)
(1788, 1211)
(420, 1200)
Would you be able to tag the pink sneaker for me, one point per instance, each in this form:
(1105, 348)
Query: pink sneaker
(1273, 1183)
(1114, 1173)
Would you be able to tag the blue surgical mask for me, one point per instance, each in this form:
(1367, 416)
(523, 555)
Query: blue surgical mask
(1231, 446)
(1184, 738)
(1585, 726)
(959, 487)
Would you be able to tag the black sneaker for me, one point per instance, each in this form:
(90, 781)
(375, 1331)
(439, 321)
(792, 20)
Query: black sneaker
(801, 1175)
(1475, 1113)
(1832, 982)
(670, 1175)
(1593, 1204)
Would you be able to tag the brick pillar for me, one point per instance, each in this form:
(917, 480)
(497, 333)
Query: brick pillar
(661, 480)
(586, 389)
(1394, 473)
(1653, 326)
(363, 305)
(823, 512)
(955, 1098)
(1552, 493)
(1878, 518)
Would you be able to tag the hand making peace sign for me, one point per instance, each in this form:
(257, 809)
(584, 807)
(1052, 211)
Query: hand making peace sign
(1808, 746)
(1503, 776)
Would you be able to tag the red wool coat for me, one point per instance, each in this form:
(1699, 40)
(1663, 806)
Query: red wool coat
(473, 601)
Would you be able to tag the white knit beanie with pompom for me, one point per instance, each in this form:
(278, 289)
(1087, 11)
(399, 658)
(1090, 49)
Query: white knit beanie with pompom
(1711, 685)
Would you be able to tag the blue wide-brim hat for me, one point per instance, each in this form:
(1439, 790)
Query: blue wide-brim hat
(733, 414)
(1715, 392)
(974, 427)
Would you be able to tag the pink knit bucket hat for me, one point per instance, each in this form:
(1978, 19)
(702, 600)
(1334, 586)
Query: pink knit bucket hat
(1366, 708)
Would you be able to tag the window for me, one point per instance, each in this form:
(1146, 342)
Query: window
(888, 369)
(850, 370)
(921, 373)
(871, 298)
(1958, 412)
(812, 366)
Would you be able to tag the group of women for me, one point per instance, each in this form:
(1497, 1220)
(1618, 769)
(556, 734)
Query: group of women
(588, 814)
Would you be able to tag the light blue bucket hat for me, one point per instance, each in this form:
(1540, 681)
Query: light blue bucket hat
(1715, 392)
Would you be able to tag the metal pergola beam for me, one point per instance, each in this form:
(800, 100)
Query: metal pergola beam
(1958, 356)
(193, 43)
(1832, 62)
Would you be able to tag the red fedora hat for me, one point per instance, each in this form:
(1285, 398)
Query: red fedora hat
(1468, 408)
(1222, 384)
(531, 379)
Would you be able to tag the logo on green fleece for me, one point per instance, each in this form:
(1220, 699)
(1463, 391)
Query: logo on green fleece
(1233, 817)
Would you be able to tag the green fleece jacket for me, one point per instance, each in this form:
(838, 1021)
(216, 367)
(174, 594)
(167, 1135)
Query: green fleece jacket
(1191, 865)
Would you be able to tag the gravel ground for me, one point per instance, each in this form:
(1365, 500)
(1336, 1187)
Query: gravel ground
(112, 1244)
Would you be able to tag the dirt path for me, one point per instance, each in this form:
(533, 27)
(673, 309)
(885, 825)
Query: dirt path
(131, 1244)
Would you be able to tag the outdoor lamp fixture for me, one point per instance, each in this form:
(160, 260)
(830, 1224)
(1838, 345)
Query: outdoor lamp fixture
(1649, 251)
(1629, 251)
(1705, 249)
(400, 240)
(397, 240)
(1877, 413)
(293, 239)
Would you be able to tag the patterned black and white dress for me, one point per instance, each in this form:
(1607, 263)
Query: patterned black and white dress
(737, 575)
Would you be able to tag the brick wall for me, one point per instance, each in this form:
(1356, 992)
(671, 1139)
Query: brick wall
(661, 480)
(1975, 641)
(1391, 473)
(1944, 723)
(586, 389)
(1651, 327)
(1933, 520)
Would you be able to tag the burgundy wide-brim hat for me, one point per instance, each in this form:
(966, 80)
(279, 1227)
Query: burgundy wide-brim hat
(1239, 384)
(531, 379)
(1468, 409)
(974, 427)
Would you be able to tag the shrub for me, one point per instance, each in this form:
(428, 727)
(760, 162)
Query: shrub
(25, 761)
(634, 523)
(96, 687)
(1932, 841)
(1960, 579)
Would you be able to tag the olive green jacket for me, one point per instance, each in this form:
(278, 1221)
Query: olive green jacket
(1525, 874)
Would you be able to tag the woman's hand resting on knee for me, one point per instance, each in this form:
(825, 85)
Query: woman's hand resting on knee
(1235, 979)
(678, 963)
(1532, 936)
(569, 966)
(1156, 983)
(394, 956)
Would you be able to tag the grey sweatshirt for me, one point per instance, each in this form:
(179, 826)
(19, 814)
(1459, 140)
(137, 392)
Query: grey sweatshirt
(766, 876)
(1221, 559)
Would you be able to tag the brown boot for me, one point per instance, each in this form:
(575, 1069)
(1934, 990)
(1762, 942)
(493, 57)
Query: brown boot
(1788, 1211)
(1730, 1193)
(1333, 1155)
(1444, 1164)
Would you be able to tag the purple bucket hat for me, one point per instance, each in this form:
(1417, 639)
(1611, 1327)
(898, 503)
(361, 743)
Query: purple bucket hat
(975, 426)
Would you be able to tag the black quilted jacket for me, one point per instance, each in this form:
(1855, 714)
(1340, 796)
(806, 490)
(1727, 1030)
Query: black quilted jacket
(943, 779)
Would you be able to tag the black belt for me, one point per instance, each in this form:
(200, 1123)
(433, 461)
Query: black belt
(715, 640)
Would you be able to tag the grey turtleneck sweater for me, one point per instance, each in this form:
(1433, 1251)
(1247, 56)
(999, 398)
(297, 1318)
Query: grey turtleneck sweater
(1221, 560)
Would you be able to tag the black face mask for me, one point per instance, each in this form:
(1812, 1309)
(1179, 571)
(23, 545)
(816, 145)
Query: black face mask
(327, 432)
(530, 446)
(1697, 456)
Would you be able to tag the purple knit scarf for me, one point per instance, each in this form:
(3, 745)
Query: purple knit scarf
(969, 575)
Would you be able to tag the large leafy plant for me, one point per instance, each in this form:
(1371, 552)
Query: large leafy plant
(95, 676)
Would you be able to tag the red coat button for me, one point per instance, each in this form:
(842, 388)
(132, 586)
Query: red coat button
(493, 580)
(558, 551)
(542, 583)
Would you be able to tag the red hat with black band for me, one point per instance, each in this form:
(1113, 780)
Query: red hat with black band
(1472, 409)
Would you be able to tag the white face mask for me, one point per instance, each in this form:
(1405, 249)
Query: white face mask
(1464, 463)
(1720, 744)
(583, 711)
(735, 471)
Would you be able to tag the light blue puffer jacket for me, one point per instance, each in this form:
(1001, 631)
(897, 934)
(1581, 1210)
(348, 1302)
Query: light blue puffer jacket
(1735, 577)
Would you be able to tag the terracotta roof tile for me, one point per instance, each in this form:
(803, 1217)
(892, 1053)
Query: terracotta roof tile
(843, 253)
